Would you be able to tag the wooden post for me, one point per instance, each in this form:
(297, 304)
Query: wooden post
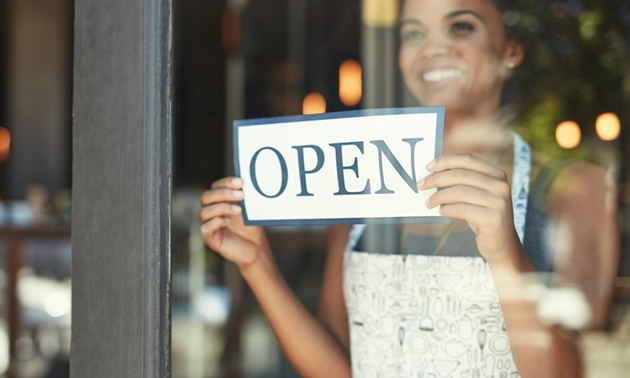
(123, 94)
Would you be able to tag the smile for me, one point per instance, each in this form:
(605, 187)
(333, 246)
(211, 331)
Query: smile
(440, 75)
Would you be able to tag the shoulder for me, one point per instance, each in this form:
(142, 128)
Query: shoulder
(582, 201)
(338, 238)
(339, 231)
(580, 187)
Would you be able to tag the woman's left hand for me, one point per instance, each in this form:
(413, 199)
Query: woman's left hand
(477, 192)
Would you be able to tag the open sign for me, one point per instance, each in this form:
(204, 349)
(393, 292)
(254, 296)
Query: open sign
(336, 168)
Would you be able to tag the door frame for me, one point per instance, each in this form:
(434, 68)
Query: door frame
(122, 184)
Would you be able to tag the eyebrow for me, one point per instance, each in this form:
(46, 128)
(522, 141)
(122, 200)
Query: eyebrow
(465, 11)
(454, 14)
(412, 21)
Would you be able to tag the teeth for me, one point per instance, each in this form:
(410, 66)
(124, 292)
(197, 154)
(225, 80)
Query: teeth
(439, 75)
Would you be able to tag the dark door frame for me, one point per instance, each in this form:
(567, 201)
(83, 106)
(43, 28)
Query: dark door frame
(122, 169)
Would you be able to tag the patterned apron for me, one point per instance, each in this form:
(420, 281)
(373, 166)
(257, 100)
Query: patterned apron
(421, 316)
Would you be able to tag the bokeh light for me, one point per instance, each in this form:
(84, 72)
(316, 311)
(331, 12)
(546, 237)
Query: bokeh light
(350, 82)
(568, 134)
(57, 304)
(314, 103)
(608, 126)
(5, 143)
(380, 13)
(230, 31)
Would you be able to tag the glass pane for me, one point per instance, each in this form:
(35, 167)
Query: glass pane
(35, 164)
(534, 263)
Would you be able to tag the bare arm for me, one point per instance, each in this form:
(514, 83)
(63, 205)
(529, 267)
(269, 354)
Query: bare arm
(582, 205)
(306, 343)
(332, 307)
(583, 200)
(540, 350)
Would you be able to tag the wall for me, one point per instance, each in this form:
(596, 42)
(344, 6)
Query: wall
(38, 94)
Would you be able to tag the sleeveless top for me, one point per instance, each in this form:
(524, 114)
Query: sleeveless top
(422, 316)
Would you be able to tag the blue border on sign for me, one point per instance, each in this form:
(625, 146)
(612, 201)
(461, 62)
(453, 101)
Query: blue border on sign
(319, 222)
(439, 110)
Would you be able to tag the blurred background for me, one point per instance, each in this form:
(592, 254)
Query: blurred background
(35, 168)
(240, 59)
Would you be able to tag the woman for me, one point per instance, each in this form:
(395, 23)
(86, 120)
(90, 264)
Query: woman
(443, 300)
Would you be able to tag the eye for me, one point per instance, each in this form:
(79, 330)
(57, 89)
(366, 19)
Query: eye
(461, 28)
(412, 35)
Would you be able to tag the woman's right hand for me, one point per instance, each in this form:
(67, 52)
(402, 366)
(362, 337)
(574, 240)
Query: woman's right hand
(222, 224)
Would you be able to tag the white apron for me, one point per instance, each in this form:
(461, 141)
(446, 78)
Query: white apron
(421, 316)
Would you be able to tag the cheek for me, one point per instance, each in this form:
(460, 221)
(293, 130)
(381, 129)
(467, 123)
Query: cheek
(481, 57)
(405, 60)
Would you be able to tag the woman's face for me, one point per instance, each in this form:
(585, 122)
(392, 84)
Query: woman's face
(455, 53)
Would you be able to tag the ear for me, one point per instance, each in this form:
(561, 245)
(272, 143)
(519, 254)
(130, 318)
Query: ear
(514, 53)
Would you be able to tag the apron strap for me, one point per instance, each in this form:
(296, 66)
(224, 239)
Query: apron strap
(354, 236)
(520, 183)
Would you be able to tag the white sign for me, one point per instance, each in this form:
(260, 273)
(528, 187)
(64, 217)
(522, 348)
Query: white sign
(338, 168)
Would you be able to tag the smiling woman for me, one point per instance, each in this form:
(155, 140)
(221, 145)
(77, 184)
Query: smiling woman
(459, 299)
(456, 54)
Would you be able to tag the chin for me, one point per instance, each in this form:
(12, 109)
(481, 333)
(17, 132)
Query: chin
(451, 103)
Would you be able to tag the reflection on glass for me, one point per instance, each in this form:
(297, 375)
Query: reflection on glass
(5, 143)
(608, 126)
(350, 82)
(531, 253)
(568, 134)
(314, 103)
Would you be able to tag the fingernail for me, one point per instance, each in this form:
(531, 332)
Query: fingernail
(420, 184)
(237, 181)
(431, 165)
(440, 210)
(227, 220)
(427, 202)
(236, 208)
(238, 193)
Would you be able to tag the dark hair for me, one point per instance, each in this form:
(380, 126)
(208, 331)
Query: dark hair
(512, 14)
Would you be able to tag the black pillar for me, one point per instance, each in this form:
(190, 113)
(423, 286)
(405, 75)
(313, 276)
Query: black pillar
(123, 114)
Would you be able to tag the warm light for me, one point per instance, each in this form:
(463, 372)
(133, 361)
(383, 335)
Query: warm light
(314, 103)
(5, 143)
(608, 126)
(380, 13)
(350, 84)
(568, 134)
(230, 31)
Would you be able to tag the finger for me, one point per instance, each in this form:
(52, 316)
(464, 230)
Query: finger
(219, 210)
(466, 161)
(228, 182)
(466, 194)
(225, 242)
(221, 195)
(465, 177)
(470, 213)
(209, 228)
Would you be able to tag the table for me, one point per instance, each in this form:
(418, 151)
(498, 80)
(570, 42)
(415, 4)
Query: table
(14, 239)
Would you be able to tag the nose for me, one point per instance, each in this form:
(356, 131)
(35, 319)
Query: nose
(435, 46)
